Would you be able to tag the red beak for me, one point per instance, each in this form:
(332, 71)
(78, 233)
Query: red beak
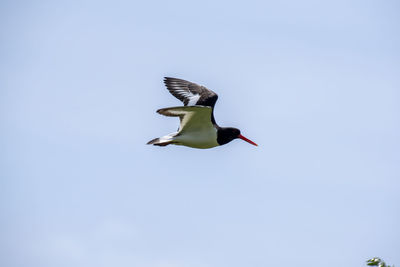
(247, 140)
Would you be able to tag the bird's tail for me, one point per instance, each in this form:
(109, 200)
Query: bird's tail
(162, 141)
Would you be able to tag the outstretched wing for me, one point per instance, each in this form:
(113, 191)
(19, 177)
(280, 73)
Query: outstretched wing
(193, 118)
(189, 93)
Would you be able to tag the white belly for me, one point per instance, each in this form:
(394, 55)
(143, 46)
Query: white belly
(198, 139)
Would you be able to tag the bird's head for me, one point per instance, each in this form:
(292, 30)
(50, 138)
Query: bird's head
(227, 134)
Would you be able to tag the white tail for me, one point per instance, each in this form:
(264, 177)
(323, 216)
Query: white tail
(162, 141)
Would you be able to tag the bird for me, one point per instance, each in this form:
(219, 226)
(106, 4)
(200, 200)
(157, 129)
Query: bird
(198, 128)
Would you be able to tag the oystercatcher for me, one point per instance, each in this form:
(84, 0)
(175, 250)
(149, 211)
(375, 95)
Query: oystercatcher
(198, 128)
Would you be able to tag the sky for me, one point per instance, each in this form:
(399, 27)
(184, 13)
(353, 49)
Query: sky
(314, 83)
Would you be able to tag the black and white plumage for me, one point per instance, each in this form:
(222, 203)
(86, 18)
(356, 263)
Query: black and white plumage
(198, 128)
(190, 93)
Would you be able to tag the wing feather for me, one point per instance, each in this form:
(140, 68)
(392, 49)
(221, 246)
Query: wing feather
(193, 118)
(189, 93)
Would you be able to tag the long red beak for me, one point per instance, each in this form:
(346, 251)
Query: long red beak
(247, 140)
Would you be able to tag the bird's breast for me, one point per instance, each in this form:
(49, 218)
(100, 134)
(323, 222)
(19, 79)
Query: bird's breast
(206, 138)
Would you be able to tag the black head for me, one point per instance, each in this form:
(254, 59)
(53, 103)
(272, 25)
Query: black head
(227, 134)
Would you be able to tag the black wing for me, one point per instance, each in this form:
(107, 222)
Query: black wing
(189, 93)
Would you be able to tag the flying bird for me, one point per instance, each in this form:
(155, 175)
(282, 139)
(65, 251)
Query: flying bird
(198, 128)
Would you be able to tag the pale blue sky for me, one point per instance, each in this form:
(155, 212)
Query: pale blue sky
(314, 83)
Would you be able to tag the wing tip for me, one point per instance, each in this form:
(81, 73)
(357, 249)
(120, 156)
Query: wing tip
(172, 79)
(179, 110)
(166, 112)
(167, 79)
